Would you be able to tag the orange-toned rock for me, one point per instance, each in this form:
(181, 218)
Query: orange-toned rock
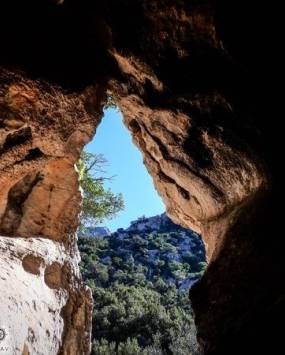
(39, 193)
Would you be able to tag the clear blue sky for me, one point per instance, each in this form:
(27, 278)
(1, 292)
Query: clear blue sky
(125, 161)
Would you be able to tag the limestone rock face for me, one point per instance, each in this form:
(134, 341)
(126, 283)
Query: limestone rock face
(39, 282)
(195, 82)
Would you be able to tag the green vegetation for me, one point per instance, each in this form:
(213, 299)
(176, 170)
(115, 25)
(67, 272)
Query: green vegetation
(98, 203)
(139, 277)
(139, 306)
(138, 319)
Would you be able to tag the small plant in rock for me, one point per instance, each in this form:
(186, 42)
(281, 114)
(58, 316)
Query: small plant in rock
(111, 103)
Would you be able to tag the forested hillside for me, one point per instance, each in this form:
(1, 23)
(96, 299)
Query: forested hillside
(140, 279)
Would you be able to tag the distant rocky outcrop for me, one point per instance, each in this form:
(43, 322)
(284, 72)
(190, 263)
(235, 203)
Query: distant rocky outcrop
(155, 245)
(148, 224)
(95, 232)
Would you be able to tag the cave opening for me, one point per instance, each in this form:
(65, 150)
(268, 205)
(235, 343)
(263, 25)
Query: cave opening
(139, 265)
(203, 72)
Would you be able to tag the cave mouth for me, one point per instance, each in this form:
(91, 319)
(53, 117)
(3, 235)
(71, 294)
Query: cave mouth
(191, 71)
(139, 265)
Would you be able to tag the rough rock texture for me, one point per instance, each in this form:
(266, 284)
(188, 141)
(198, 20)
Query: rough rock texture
(45, 309)
(37, 282)
(195, 82)
(42, 132)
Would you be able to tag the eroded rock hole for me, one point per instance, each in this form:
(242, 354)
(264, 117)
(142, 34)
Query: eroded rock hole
(137, 262)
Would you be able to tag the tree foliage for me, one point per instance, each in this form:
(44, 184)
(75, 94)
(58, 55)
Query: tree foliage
(98, 203)
(136, 319)
(138, 307)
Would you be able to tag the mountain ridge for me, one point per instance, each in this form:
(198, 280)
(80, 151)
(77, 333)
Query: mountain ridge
(153, 246)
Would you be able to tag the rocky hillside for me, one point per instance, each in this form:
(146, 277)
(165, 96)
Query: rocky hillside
(95, 232)
(154, 248)
(140, 277)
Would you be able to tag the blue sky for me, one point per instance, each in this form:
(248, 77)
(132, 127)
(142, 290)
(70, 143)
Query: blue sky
(131, 177)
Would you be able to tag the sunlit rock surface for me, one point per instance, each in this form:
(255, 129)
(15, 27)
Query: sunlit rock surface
(40, 284)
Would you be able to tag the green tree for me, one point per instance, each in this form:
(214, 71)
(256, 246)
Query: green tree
(130, 347)
(98, 203)
(102, 347)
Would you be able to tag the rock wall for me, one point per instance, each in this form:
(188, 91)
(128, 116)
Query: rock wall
(195, 82)
(45, 308)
